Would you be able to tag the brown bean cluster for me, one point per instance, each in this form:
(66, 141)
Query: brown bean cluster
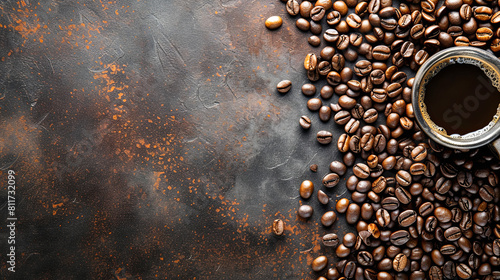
(421, 211)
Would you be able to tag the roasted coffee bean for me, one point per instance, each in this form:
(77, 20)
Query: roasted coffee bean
(365, 258)
(331, 35)
(354, 144)
(338, 167)
(306, 189)
(305, 122)
(310, 62)
(390, 203)
(381, 52)
(325, 113)
(328, 218)
(331, 240)
(324, 67)
(377, 77)
(482, 13)
(342, 205)
(333, 78)
(305, 211)
(370, 116)
(402, 195)
(407, 218)
(302, 24)
(399, 263)
(363, 68)
(278, 227)
(330, 180)
(443, 214)
(308, 89)
(333, 18)
(314, 104)
(366, 142)
(448, 170)
(484, 34)
(495, 18)
(383, 217)
(293, 7)
(324, 137)
(443, 185)
(323, 197)
(343, 143)
(403, 178)
(317, 13)
(426, 209)
(378, 95)
(400, 237)
(487, 193)
(354, 21)
(352, 126)
(361, 170)
(273, 22)
(463, 271)
(449, 270)
(342, 117)
(452, 234)
(418, 169)
(352, 214)
(284, 86)
(319, 263)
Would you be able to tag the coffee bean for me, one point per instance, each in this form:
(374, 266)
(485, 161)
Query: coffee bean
(333, 78)
(325, 113)
(383, 217)
(330, 180)
(319, 263)
(452, 234)
(403, 195)
(302, 24)
(443, 214)
(343, 143)
(390, 203)
(399, 262)
(323, 197)
(293, 7)
(381, 52)
(330, 240)
(305, 211)
(407, 218)
(426, 209)
(354, 21)
(314, 104)
(361, 170)
(328, 218)
(324, 137)
(278, 227)
(482, 13)
(310, 62)
(331, 35)
(484, 34)
(403, 178)
(306, 189)
(305, 122)
(363, 68)
(399, 237)
(365, 258)
(333, 18)
(487, 193)
(352, 214)
(463, 271)
(343, 42)
(273, 22)
(352, 126)
(317, 13)
(284, 86)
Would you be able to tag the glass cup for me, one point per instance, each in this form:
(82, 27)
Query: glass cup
(488, 135)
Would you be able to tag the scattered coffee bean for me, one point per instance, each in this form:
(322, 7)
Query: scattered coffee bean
(278, 227)
(274, 22)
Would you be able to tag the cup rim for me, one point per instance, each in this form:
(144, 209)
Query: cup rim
(452, 142)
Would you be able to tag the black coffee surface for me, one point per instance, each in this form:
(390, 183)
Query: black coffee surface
(461, 99)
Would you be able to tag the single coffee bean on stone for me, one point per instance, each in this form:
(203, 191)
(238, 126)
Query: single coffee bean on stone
(331, 240)
(273, 22)
(319, 263)
(278, 227)
(305, 122)
(328, 218)
(284, 86)
(324, 137)
(306, 189)
(305, 211)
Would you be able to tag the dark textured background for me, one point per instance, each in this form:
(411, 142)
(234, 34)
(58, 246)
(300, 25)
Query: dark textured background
(149, 141)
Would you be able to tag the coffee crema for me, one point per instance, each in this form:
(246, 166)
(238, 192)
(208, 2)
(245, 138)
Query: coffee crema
(460, 97)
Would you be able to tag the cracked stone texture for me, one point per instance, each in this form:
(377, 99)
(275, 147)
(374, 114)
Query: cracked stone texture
(149, 141)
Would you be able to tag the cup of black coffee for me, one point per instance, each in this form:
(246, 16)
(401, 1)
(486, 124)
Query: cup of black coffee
(456, 97)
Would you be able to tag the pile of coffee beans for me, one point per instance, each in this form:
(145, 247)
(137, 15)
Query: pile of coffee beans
(420, 210)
